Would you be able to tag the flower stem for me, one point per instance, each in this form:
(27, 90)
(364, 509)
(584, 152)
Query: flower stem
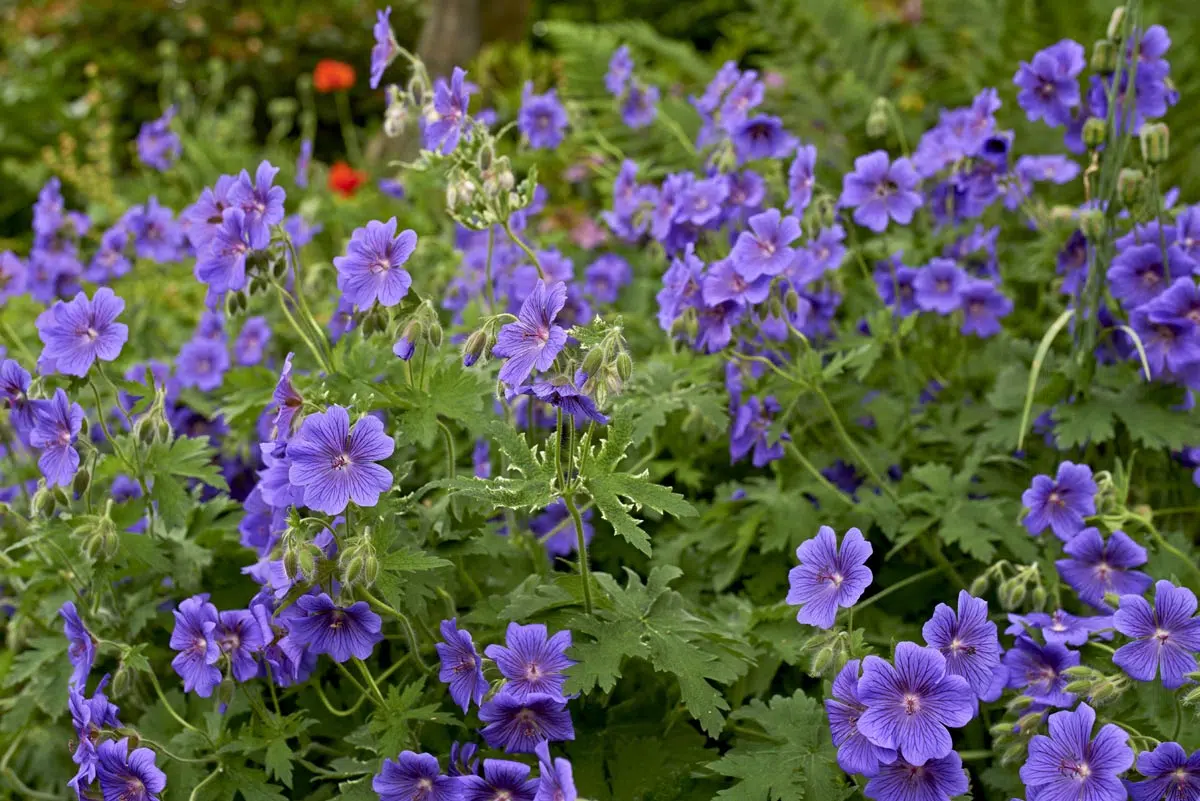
(404, 621)
(487, 271)
(196, 790)
(341, 713)
(585, 574)
(320, 357)
(349, 132)
(899, 585)
(362, 668)
(170, 709)
(163, 750)
(532, 256)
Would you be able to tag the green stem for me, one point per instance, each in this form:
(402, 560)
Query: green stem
(451, 455)
(1101, 646)
(320, 357)
(404, 621)
(349, 132)
(968, 756)
(489, 290)
(104, 428)
(849, 442)
(298, 293)
(170, 709)
(899, 585)
(350, 677)
(196, 790)
(532, 256)
(1178, 720)
(341, 713)
(1166, 546)
(815, 473)
(163, 749)
(17, 343)
(585, 574)
(362, 668)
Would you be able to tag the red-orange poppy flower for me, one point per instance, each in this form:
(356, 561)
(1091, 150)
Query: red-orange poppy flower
(344, 179)
(332, 76)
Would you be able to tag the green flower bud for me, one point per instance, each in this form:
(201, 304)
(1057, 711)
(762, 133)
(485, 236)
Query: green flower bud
(1155, 138)
(1078, 687)
(1001, 730)
(1039, 598)
(370, 570)
(775, 306)
(877, 119)
(1095, 131)
(791, 301)
(822, 661)
(306, 562)
(435, 334)
(1192, 698)
(980, 585)
(81, 482)
(1018, 595)
(43, 502)
(352, 570)
(474, 347)
(1104, 57)
(1013, 755)
(279, 268)
(291, 562)
(1116, 25)
(824, 211)
(1093, 224)
(1112, 599)
(1028, 724)
(1079, 672)
(122, 681)
(624, 365)
(225, 690)
(1019, 702)
(1130, 183)
(593, 361)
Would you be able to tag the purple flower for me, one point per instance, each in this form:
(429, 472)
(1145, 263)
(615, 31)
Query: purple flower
(157, 145)
(444, 125)
(764, 249)
(801, 177)
(1061, 627)
(1138, 275)
(762, 137)
(404, 348)
(462, 667)
(49, 208)
(372, 268)
(1097, 568)
(336, 463)
(463, 761)
(700, 203)
(605, 276)
(910, 706)
(204, 217)
(895, 280)
(532, 663)
(1170, 345)
(502, 780)
(385, 48)
(202, 363)
(826, 578)
(879, 190)
(520, 723)
(533, 341)
(1041, 671)
(620, 70)
(969, 642)
(1166, 637)
(640, 106)
(77, 333)
(240, 637)
(1050, 84)
(251, 342)
(983, 305)
(856, 754)
(1169, 772)
(156, 235)
(341, 632)
(1060, 503)
(260, 200)
(556, 781)
(751, 432)
(936, 780)
(542, 120)
(288, 402)
(563, 393)
(195, 622)
(938, 286)
(1070, 764)
(556, 531)
(222, 264)
(89, 716)
(724, 283)
(12, 276)
(56, 425)
(304, 159)
(415, 777)
(81, 649)
(128, 775)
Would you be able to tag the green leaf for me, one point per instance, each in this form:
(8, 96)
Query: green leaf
(531, 489)
(451, 391)
(390, 725)
(144, 550)
(186, 457)
(173, 501)
(796, 761)
(278, 760)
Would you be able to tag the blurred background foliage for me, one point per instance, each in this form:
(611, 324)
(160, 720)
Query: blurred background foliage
(78, 77)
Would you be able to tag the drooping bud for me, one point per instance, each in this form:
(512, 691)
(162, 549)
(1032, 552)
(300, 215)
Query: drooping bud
(791, 301)
(279, 268)
(1155, 139)
(474, 347)
(980, 585)
(1095, 131)
(1093, 224)
(434, 334)
(1116, 25)
(593, 361)
(81, 482)
(824, 211)
(1039, 598)
(232, 305)
(43, 502)
(1104, 57)
(877, 119)
(624, 365)
(822, 661)
(1130, 183)
(775, 306)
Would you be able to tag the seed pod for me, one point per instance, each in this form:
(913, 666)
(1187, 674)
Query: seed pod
(624, 365)
(1095, 131)
(279, 268)
(1155, 139)
(122, 680)
(1129, 186)
(593, 361)
(775, 306)
(1104, 57)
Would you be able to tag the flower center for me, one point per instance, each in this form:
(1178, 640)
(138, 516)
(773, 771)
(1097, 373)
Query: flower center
(134, 790)
(527, 721)
(381, 266)
(200, 644)
(340, 462)
(502, 795)
(912, 704)
(1150, 278)
(336, 619)
(1079, 772)
(64, 437)
(1056, 499)
(230, 642)
(943, 285)
(542, 334)
(1161, 635)
(1103, 571)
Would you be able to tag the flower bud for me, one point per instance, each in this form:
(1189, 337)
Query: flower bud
(1029, 723)
(225, 692)
(1093, 224)
(775, 306)
(43, 502)
(1013, 754)
(1001, 730)
(593, 361)
(624, 365)
(258, 285)
(1104, 57)
(980, 585)
(824, 211)
(81, 482)
(279, 268)
(306, 562)
(791, 301)
(1116, 24)
(822, 661)
(101, 543)
(1155, 139)
(1129, 186)
(1112, 599)
(1095, 131)
(877, 119)
(122, 681)
(291, 562)
(370, 569)
(1078, 687)
(1018, 595)
(475, 345)
(1039, 598)
(352, 570)
(434, 334)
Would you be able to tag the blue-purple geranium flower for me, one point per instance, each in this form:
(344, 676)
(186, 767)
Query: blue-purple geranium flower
(827, 578)
(77, 333)
(373, 267)
(533, 341)
(336, 463)
(1165, 637)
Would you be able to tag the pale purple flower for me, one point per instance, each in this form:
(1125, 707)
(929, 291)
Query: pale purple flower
(288, 402)
(828, 578)
(341, 632)
(1069, 764)
(77, 333)
(336, 463)
(620, 70)
(56, 426)
(765, 248)
(983, 305)
(936, 780)
(750, 432)
(303, 161)
(542, 120)
(239, 636)
(195, 623)
(762, 137)
(12, 276)
(533, 341)
(910, 705)
(1096, 568)
(462, 667)
(444, 123)
(556, 781)
(640, 106)
(222, 263)
(81, 649)
(502, 780)
(157, 145)
(1166, 637)
(260, 200)
(938, 286)
(202, 363)
(156, 235)
(532, 663)
(252, 340)
(1050, 84)
(725, 282)
(880, 190)
(385, 48)
(372, 269)
(1138, 274)
(968, 641)
(701, 203)
(605, 277)
(520, 724)
(1169, 773)
(1060, 503)
(1041, 670)
(801, 177)
(1060, 627)
(856, 754)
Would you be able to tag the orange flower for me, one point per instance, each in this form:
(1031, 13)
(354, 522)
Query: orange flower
(344, 179)
(332, 76)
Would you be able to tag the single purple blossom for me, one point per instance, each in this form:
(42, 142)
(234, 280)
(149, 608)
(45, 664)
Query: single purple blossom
(533, 341)
(518, 724)
(1170, 773)
(462, 667)
(372, 269)
(1060, 503)
(606, 276)
(157, 145)
(878, 190)
(1097, 568)
(968, 641)
(56, 426)
(801, 178)
(240, 637)
(1041, 670)
(983, 305)
(252, 340)
(564, 393)
(938, 286)
(1060, 627)
(89, 716)
(260, 200)
(762, 137)
(195, 623)
(827, 577)
(640, 106)
(856, 754)
(1070, 764)
(556, 780)
(502, 780)
(288, 402)
(385, 48)
(532, 663)
(910, 705)
(445, 122)
(936, 780)
(81, 649)
(750, 432)
(1050, 84)
(1171, 345)
(128, 775)
(341, 632)
(415, 777)
(1138, 275)
(202, 363)
(765, 248)
(701, 203)
(894, 282)
(222, 264)
(725, 282)
(620, 70)
(336, 463)
(1166, 637)
(542, 120)
(76, 334)
(303, 161)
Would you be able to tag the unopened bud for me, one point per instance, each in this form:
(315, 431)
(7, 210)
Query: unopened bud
(306, 562)
(122, 680)
(1013, 754)
(1028, 723)
(1018, 596)
(1104, 57)
(1112, 599)
(1116, 25)
(1192, 697)
(1095, 131)
(279, 268)
(593, 361)
(1020, 702)
(822, 661)
(1105, 692)
(352, 570)
(1039, 598)
(775, 306)
(1129, 186)
(43, 502)
(1156, 142)
(824, 211)
(624, 365)
(791, 301)
(291, 562)
(434, 334)
(980, 585)
(474, 347)
(83, 479)
(370, 569)
(1078, 687)
(1093, 224)
(101, 543)
(877, 119)
(225, 692)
